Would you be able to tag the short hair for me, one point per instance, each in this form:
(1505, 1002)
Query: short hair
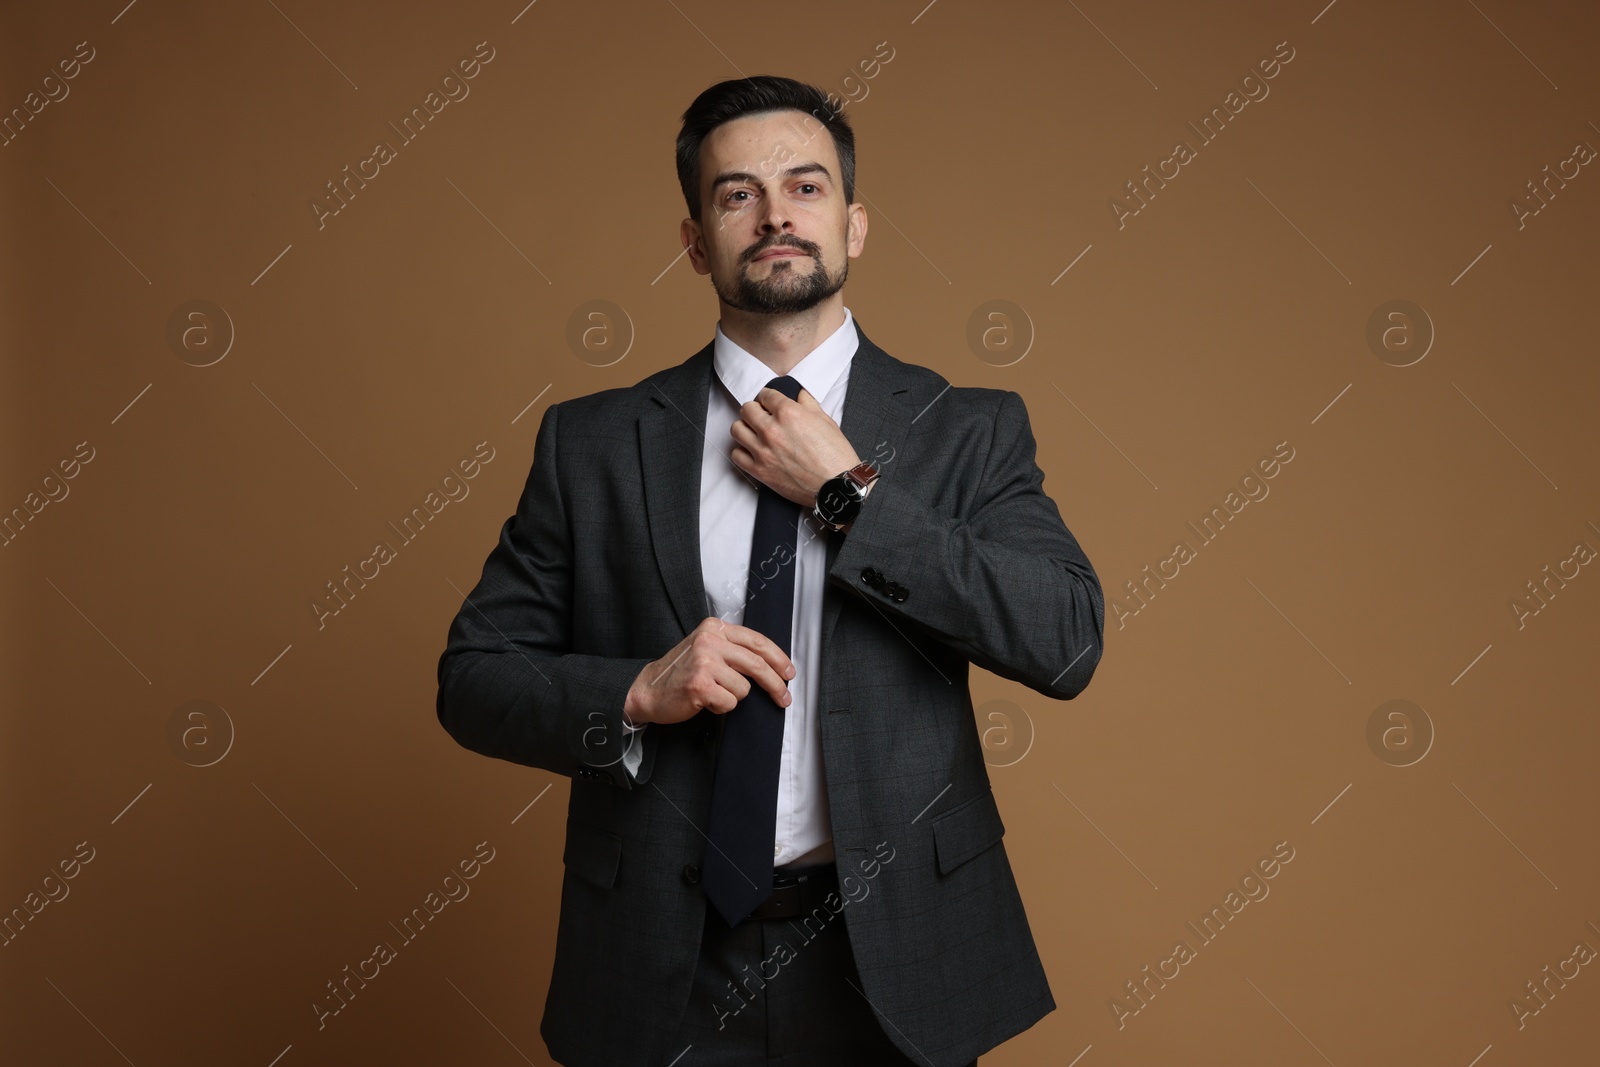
(763, 93)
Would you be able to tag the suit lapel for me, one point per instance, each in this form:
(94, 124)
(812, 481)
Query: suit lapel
(671, 450)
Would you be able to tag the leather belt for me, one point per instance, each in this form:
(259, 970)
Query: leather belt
(798, 891)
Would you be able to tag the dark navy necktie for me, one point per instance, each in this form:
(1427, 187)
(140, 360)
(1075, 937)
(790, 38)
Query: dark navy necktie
(740, 834)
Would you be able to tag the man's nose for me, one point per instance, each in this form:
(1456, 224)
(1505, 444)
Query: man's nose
(775, 216)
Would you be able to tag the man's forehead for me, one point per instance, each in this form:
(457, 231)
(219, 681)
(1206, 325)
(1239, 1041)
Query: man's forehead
(749, 140)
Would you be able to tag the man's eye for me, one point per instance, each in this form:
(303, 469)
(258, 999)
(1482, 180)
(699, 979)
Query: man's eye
(738, 192)
(811, 185)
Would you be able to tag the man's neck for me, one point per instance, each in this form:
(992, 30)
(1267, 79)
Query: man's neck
(782, 341)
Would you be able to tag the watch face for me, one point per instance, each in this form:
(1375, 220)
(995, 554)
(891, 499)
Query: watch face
(838, 501)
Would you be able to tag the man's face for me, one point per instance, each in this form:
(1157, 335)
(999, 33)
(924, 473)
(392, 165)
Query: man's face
(775, 233)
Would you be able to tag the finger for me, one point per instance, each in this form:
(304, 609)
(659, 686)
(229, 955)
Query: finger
(732, 687)
(763, 646)
(722, 696)
(769, 399)
(764, 663)
(760, 672)
(775, 686)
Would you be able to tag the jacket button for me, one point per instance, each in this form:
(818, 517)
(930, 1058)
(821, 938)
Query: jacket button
(691, 874)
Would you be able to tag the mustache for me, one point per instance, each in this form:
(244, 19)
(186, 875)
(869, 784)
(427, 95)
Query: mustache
(808, 247)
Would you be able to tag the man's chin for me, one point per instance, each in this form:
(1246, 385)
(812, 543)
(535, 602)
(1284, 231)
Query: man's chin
(782, 307)
(784, 291)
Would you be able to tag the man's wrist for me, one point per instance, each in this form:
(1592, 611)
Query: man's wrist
(632, 717)
(863, 476)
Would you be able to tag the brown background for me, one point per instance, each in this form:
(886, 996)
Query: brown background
(370, 355)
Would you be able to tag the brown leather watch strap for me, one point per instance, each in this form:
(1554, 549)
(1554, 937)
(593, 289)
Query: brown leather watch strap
(863, 474)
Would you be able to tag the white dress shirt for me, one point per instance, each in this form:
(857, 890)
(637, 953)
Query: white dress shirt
(727, 523)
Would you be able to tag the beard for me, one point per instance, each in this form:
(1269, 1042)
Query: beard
(785, 290)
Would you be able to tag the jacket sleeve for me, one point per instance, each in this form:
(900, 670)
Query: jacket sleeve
(1007, 585)
(509, 686)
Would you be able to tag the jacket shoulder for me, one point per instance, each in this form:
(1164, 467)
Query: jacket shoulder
(925, 389)
(626, 401)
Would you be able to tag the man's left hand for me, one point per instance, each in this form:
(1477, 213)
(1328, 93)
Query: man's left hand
(793, 446)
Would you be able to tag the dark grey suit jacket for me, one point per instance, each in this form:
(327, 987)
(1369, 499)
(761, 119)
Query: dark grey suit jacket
(598, 573)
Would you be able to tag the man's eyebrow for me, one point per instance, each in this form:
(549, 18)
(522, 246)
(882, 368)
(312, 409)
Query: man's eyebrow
(792, 172)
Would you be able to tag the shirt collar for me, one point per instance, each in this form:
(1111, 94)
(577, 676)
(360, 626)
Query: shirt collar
(743, 375)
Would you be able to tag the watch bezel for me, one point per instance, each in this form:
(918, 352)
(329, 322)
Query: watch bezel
(851, 486)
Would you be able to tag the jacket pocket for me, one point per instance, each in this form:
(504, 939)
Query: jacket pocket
(966, 830)
(593, 854)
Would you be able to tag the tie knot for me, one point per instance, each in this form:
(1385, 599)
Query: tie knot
(787, 386)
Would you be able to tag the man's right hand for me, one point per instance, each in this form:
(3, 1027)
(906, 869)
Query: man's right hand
(714, 667)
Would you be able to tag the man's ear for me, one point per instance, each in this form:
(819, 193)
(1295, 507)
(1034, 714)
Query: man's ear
(691, 236)
(856, 233)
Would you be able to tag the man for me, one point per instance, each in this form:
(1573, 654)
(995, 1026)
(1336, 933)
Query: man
(737, 604)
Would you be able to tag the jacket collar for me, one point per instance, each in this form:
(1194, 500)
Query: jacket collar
(671, 435)
(743, 375)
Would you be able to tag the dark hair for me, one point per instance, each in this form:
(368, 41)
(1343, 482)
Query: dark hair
(738, 97)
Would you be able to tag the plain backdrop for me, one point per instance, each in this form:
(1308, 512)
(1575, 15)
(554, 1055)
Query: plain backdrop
(262, 791)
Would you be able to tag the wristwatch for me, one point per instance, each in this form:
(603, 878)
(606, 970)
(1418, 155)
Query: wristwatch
(839, 499)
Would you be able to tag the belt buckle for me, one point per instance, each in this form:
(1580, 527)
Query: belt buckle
(784, 902)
